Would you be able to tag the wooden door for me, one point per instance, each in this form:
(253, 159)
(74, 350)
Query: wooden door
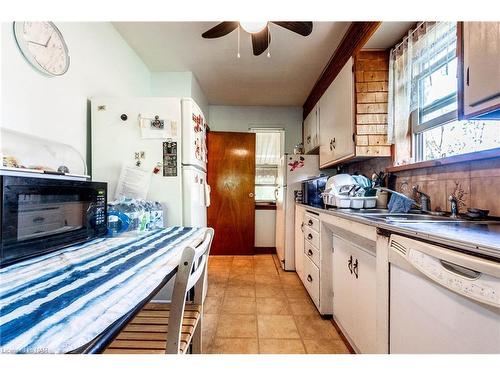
(231, 176)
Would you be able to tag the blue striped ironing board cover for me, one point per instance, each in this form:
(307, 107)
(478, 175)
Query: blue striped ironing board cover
(61, 301)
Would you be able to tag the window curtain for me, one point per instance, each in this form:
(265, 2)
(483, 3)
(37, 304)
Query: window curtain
(407, 62)
(267, 146)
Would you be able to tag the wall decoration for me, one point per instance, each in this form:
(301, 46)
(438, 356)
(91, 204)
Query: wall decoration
(296, 164)
(169, 159)
(43, 46)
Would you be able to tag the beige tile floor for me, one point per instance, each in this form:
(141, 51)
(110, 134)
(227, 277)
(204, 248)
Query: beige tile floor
(253, 306)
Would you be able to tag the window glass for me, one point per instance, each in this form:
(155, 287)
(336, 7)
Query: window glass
(434, 76)
(460, 137)
(267, 158)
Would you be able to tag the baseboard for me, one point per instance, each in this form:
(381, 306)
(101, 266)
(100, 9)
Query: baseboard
(342, 336)
(265, 250)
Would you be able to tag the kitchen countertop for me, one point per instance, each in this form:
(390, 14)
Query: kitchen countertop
(479, 238)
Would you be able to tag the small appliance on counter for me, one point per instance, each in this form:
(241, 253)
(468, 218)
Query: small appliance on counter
(47, 201)
(312, 191)
(40, 215)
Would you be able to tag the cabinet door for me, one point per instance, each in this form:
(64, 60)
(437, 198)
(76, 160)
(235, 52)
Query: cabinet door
(307, 132)
(364, 307)
(336, 121)
(314, 127)
(481, 42)
(343, 112)
(343, 287)
(326, 129)
(299, 242)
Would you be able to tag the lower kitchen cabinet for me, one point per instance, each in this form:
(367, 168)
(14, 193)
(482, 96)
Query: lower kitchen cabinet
(354, 293)
(311, 279)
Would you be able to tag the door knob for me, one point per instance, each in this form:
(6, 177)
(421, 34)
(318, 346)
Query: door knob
(250, 195)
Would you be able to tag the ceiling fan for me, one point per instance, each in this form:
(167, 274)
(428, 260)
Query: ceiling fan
(259, 31)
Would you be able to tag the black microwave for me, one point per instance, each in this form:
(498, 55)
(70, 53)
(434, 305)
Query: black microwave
(40, 215)
(312, 191)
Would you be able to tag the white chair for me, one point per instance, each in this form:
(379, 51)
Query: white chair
(171, 327)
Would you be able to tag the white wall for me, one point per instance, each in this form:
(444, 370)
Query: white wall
(265, 228)
(102, 64)
(179, 84)
(240, 118)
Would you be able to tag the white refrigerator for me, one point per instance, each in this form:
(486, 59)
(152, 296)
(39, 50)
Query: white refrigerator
(292, 171)
(167, 137)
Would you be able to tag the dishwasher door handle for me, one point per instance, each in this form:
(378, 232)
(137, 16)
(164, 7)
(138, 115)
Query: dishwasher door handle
(460, 270)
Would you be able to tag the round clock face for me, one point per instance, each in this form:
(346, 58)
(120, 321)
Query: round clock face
(43, 46)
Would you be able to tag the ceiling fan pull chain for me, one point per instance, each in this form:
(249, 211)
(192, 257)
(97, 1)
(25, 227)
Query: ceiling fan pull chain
(268, 41)
(238, 55)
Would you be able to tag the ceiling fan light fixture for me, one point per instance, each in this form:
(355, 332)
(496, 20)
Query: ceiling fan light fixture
(253, 27)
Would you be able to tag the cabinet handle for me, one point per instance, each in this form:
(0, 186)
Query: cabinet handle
(302, 227)
(467, 77)
(310, 252)
(349, 264)
(309, 139)
(310, 222)
(332, 144)
(309, 236)
(355, 268)
(309, 278)
(38, 219)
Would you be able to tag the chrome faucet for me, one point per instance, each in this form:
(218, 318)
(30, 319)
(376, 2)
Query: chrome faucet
(425, 199)
(453, 206)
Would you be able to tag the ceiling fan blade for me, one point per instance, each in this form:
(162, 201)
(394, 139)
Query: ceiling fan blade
(303, 28)
(221, 29)
(260, 41)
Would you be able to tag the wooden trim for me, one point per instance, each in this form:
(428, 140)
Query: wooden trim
(478, 155)
(265, 206)
(354, 39)
(265, 250)
(483, 113)
(342, 336)
(338, 161)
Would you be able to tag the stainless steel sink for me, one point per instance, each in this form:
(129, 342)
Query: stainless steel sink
(414, 218)
(410, 217)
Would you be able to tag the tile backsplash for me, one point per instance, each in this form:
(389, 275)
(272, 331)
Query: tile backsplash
(477, 182)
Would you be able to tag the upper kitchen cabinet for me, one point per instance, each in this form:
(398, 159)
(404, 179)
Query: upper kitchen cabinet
(311, 131)
(480, 77)
(353, 111)
(336, 119)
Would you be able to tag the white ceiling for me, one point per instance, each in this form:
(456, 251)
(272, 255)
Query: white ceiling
(388, 35)
(284, 79)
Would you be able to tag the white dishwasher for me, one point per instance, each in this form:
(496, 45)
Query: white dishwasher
(442, 301)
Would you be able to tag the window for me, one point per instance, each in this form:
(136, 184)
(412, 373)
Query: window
(424, 82)
(268, 150)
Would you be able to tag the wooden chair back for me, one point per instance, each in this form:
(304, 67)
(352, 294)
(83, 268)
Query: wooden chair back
(190, 273)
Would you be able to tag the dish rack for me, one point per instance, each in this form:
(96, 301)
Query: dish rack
(331, 196)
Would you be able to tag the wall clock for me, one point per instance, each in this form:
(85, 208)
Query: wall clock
(43, 46)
